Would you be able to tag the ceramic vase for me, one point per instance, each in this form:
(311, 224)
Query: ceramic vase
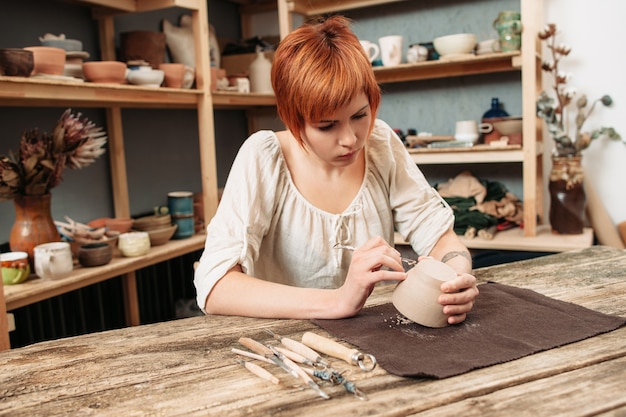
(567, 195)
(33, 224)
(509, 27)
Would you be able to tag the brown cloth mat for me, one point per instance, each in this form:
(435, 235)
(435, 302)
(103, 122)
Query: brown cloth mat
(506, 323)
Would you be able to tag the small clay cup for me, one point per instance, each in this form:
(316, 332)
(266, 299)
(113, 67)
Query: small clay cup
(174, 74)
(416, 296)
(16, 62)
(95, 254)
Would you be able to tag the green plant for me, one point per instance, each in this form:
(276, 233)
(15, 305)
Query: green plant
(555, 110)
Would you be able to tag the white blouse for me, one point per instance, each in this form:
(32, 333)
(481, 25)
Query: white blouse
(264, 224)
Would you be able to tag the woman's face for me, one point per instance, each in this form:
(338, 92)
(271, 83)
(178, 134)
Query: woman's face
(339, 138)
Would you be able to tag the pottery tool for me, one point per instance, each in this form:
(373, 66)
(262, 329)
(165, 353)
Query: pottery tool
(365, 361)
(251, 355)
(407, 262)
(263, 350)
(260, 372)
(301, 373)
(300, 349)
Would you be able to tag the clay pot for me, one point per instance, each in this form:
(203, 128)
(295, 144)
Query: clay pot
(47, 60)
(416, 297)
(16, 62)
(112, 72)
(95, 254)
(143, 45)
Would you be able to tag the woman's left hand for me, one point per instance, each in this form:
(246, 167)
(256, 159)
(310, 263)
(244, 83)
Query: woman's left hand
(458, 298)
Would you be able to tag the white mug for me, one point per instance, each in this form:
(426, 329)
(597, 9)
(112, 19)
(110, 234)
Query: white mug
(53, 260)
(371, 50)
(391, 50)
(417, 296)
(468, 130)
(189, 77)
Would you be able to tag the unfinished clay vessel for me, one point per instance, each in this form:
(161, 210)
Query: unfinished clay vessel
(416, 296)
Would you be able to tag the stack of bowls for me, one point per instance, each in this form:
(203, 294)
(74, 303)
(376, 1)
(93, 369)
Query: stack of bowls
(159, 228)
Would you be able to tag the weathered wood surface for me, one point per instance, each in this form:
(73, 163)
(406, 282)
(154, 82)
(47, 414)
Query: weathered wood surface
(185, 367)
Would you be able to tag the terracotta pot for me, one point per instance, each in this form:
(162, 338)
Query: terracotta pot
(567, 195)
(48, 60)
(33, 225)
(113, 72)
(143, 45)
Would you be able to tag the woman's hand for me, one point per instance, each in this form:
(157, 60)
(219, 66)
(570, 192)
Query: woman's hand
(458, 298)
(366, 269)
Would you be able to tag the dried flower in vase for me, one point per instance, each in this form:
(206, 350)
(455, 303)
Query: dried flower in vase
(38, 165)
(554, 111)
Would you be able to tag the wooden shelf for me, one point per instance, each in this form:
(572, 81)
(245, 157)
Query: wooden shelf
(428, 70)
(315, 7)
(472, 155)
(36, 289)
(28, 92)
(514, 239)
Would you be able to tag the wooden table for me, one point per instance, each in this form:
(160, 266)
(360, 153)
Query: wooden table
(185, 367)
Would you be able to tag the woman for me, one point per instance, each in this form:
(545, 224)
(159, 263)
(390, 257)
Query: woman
(335, 177)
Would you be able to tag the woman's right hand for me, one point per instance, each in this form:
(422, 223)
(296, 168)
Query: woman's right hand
(366, 269)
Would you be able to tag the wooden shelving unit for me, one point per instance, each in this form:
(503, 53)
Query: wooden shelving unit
(526, 61)
(31, 92)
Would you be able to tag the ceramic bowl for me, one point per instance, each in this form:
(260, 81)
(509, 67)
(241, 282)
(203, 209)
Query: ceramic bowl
(119, 225)
(509, 125)
(152, 222)
(134, 244)
(161, 235)
(69, 45)
(47, 60)
(454, 45)
(16, 62)
(15, 267)
(108, 72)
(146, 77)
(95, 254)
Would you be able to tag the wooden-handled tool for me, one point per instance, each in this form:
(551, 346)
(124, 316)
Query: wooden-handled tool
(352, 356)
(260, 372)
(263, 350)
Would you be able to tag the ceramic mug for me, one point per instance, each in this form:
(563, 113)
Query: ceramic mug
(371, 50)
(190, 77)
(391, 50)
(468, 130)
(53, 260)
(417, 296)
(15, 267)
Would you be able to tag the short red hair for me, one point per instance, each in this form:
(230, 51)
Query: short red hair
(319, 68)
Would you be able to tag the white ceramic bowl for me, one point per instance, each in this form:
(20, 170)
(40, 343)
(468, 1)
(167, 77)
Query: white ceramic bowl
(146, 78)
(134, 243)
(453, 45)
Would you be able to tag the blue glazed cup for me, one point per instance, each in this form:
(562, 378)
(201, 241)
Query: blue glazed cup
(185, 227)
(180, 203)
